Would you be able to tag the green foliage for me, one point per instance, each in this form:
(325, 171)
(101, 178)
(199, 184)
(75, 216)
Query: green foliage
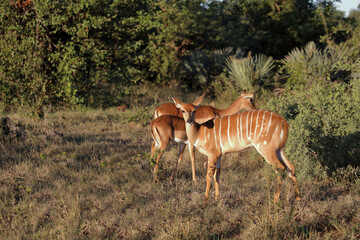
(84, 51)
(324, 127)
(225, 91)
(354, 15)
(252, 73)
(275, 27)
(92, 52)
(309, 65)
(204, 67)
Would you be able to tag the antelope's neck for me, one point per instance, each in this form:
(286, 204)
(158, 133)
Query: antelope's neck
(234, 108)
(192, 132)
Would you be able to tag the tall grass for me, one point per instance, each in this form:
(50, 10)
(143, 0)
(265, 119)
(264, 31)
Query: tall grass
(96, 183)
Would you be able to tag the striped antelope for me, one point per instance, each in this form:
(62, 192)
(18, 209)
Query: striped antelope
(166, 128)
(264, 130)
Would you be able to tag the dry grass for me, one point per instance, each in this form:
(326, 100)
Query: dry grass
(97, 183)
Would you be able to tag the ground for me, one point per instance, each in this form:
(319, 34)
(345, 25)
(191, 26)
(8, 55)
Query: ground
(96, 182)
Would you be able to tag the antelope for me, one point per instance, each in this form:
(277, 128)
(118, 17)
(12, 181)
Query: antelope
(171, 109)
(121, 108)
(166, 128)
(264, 130)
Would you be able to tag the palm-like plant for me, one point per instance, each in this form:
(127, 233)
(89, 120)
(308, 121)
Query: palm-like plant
(309, 64)
(251, 73)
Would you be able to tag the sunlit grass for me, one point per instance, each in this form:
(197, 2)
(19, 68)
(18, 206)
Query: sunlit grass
(96, 183)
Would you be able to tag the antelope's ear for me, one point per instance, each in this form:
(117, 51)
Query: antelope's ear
(243, 92)
(197, 102)
(204, 114)
(177, 102)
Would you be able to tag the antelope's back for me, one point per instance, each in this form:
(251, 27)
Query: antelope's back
(167, 109)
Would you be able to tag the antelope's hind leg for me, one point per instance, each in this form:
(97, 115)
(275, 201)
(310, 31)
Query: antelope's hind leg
(291, 173)
(271, 157)
(217, 179)
(160, 151)
(279, 177)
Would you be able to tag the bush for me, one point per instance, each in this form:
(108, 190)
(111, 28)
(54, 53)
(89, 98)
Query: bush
(324, 127)
(306, 66)
(204, 67)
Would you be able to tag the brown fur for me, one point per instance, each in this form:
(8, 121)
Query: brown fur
(203, 114)
(268, 137)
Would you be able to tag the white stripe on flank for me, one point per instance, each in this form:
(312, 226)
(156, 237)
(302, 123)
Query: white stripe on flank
(251, 123)
(237, 127)
(247, 128)
(262, 123)
(241, 126)
(220, 134)
(215, 134)
(256, 126)
(281, 134)
(196, 143)
(204, 136)
(267, 131)
(228, 131)
(252, 133)
(252, 113)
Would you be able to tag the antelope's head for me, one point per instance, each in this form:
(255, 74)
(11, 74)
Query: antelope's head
(247, 100)
(188, 109)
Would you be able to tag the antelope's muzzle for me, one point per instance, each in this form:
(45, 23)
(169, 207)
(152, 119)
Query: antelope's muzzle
(191, 119)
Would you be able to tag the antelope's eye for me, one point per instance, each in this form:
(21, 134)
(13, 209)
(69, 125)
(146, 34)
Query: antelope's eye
(183, 111)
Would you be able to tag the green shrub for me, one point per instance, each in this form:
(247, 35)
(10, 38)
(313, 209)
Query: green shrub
(204, 67)
(324, 127)
(306, 66)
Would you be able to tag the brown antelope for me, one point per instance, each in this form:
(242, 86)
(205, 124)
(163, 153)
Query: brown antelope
(264, 130)
(166, 128)
(121, 108)
(171, 109)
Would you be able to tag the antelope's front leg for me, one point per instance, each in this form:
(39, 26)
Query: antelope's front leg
(192, 157)
(209, 175)
(217, 179)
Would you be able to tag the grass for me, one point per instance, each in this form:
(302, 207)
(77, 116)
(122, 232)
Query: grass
(96, 183)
